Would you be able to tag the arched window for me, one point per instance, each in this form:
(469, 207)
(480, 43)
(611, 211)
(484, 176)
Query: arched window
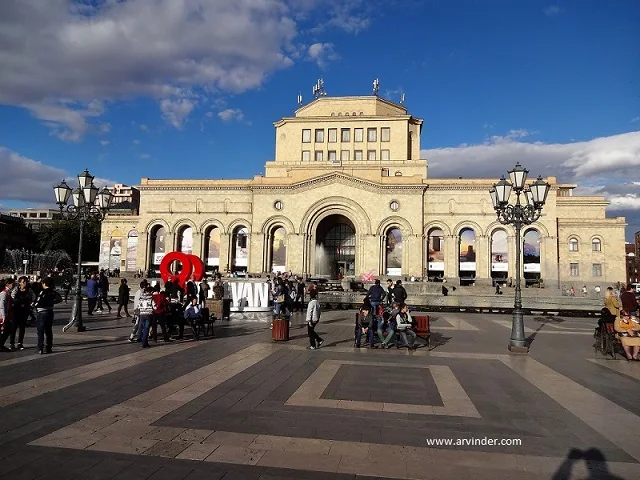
(156, 242)
(596, 245)
(393, 251)
(499, 253)
(435, 253)
(185, 240)
(573, 245)
(278, 250)
(467, 252)
(240, 244)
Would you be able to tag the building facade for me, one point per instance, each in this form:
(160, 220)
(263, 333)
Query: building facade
(36, 218)
(348, 195)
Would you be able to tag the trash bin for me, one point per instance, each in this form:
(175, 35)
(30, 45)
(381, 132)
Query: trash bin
(280, 329)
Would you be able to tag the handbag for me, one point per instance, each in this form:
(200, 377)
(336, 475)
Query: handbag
(280, 299)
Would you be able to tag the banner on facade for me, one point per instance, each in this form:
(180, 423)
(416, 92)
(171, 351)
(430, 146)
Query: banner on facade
(279, 250)
(394, 252)
(103, 259)
(467, 266)
(435, 259)
(531, 251)
(213, 247)
(499, 251)
(132, 251)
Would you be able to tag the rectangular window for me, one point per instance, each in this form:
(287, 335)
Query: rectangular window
(372, 134)
(357, 155)
(596, 270)
(319, 135)
(574, 270)
(43, 215)
(319, 155)
(344, 155)
(306, 135)
(384, 155)
(333, 135)
(371, 154)
(358, 135)
(306, 155)
(345, 134)
(385, 134)
(332, 156)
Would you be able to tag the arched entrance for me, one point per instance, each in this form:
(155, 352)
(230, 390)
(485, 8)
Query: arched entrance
(335, 247)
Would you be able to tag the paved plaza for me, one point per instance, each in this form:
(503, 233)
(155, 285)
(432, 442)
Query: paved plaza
(239, 406)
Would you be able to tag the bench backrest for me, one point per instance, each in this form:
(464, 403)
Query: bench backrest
(422, 324)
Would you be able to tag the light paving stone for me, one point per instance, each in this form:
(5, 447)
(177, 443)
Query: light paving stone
(231, 438)
(351, 449)
(197, 451)
(168, 449)
(237, 455)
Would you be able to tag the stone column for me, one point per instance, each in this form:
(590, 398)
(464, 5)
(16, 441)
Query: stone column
(225, 252)
(198, 251)
(255, 262)
(170, 242)
(412, 255)
(295, 249)
(451, 251)
(144, 251)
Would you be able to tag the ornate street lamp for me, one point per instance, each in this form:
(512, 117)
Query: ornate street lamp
(87, 202)
(518, 215)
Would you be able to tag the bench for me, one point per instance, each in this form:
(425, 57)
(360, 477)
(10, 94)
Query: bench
(205, 323)
(422, 328)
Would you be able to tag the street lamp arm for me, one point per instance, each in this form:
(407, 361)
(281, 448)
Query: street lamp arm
(518, 214)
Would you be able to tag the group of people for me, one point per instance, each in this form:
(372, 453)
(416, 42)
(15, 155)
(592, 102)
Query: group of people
(18, 302)
(623, 313)
(169, 308)
(287, 293)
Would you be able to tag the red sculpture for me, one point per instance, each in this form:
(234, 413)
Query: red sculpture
(191, 265)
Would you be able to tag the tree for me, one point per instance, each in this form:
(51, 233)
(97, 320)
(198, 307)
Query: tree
(63, 235)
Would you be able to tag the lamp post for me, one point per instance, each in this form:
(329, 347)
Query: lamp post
(87, 202)
(519, 214)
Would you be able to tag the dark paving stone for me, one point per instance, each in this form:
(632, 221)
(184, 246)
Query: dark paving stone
(409, 386)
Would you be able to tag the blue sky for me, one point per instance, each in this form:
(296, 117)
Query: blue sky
(190, 88)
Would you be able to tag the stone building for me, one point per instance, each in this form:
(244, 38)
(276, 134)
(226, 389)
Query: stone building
(348, 194)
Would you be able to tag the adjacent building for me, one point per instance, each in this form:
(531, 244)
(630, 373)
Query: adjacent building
(36, 218)
(348, 194)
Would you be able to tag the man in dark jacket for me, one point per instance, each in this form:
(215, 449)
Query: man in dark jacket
(376, 296)
(43, 305)
(629, 301)
(399, 293)
(92, 293)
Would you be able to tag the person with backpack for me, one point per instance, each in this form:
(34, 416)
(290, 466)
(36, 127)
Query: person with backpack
(313, 317)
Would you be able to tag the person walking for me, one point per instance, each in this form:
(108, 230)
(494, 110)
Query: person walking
(43, 305)
(146, 306)
(66, 287)
(92, 294)
(103, 290)
(313, 317)
(6, 312)
(23, 298)
(123, 298)
(136, 313)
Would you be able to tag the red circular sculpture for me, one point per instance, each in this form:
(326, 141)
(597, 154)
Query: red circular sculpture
(191, 265)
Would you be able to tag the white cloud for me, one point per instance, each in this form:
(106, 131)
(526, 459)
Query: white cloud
(136, 142)
(76, 55)
(144, 128)
(606, 166)
(175, 111)
(104, 143)
(553, 10)
(145, 156)
(231, 114)
(635, 119)
(351, 16)
(28, 180)
(322, 53)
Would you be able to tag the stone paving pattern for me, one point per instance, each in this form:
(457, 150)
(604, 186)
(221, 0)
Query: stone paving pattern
(240, 406)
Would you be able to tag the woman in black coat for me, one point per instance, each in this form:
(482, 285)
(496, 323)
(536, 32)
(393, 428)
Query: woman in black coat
(123, 298)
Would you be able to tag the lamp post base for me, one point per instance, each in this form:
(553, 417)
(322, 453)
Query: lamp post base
(519, 350)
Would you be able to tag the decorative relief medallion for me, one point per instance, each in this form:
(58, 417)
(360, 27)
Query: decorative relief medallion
(278, 205)
(394, 205)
